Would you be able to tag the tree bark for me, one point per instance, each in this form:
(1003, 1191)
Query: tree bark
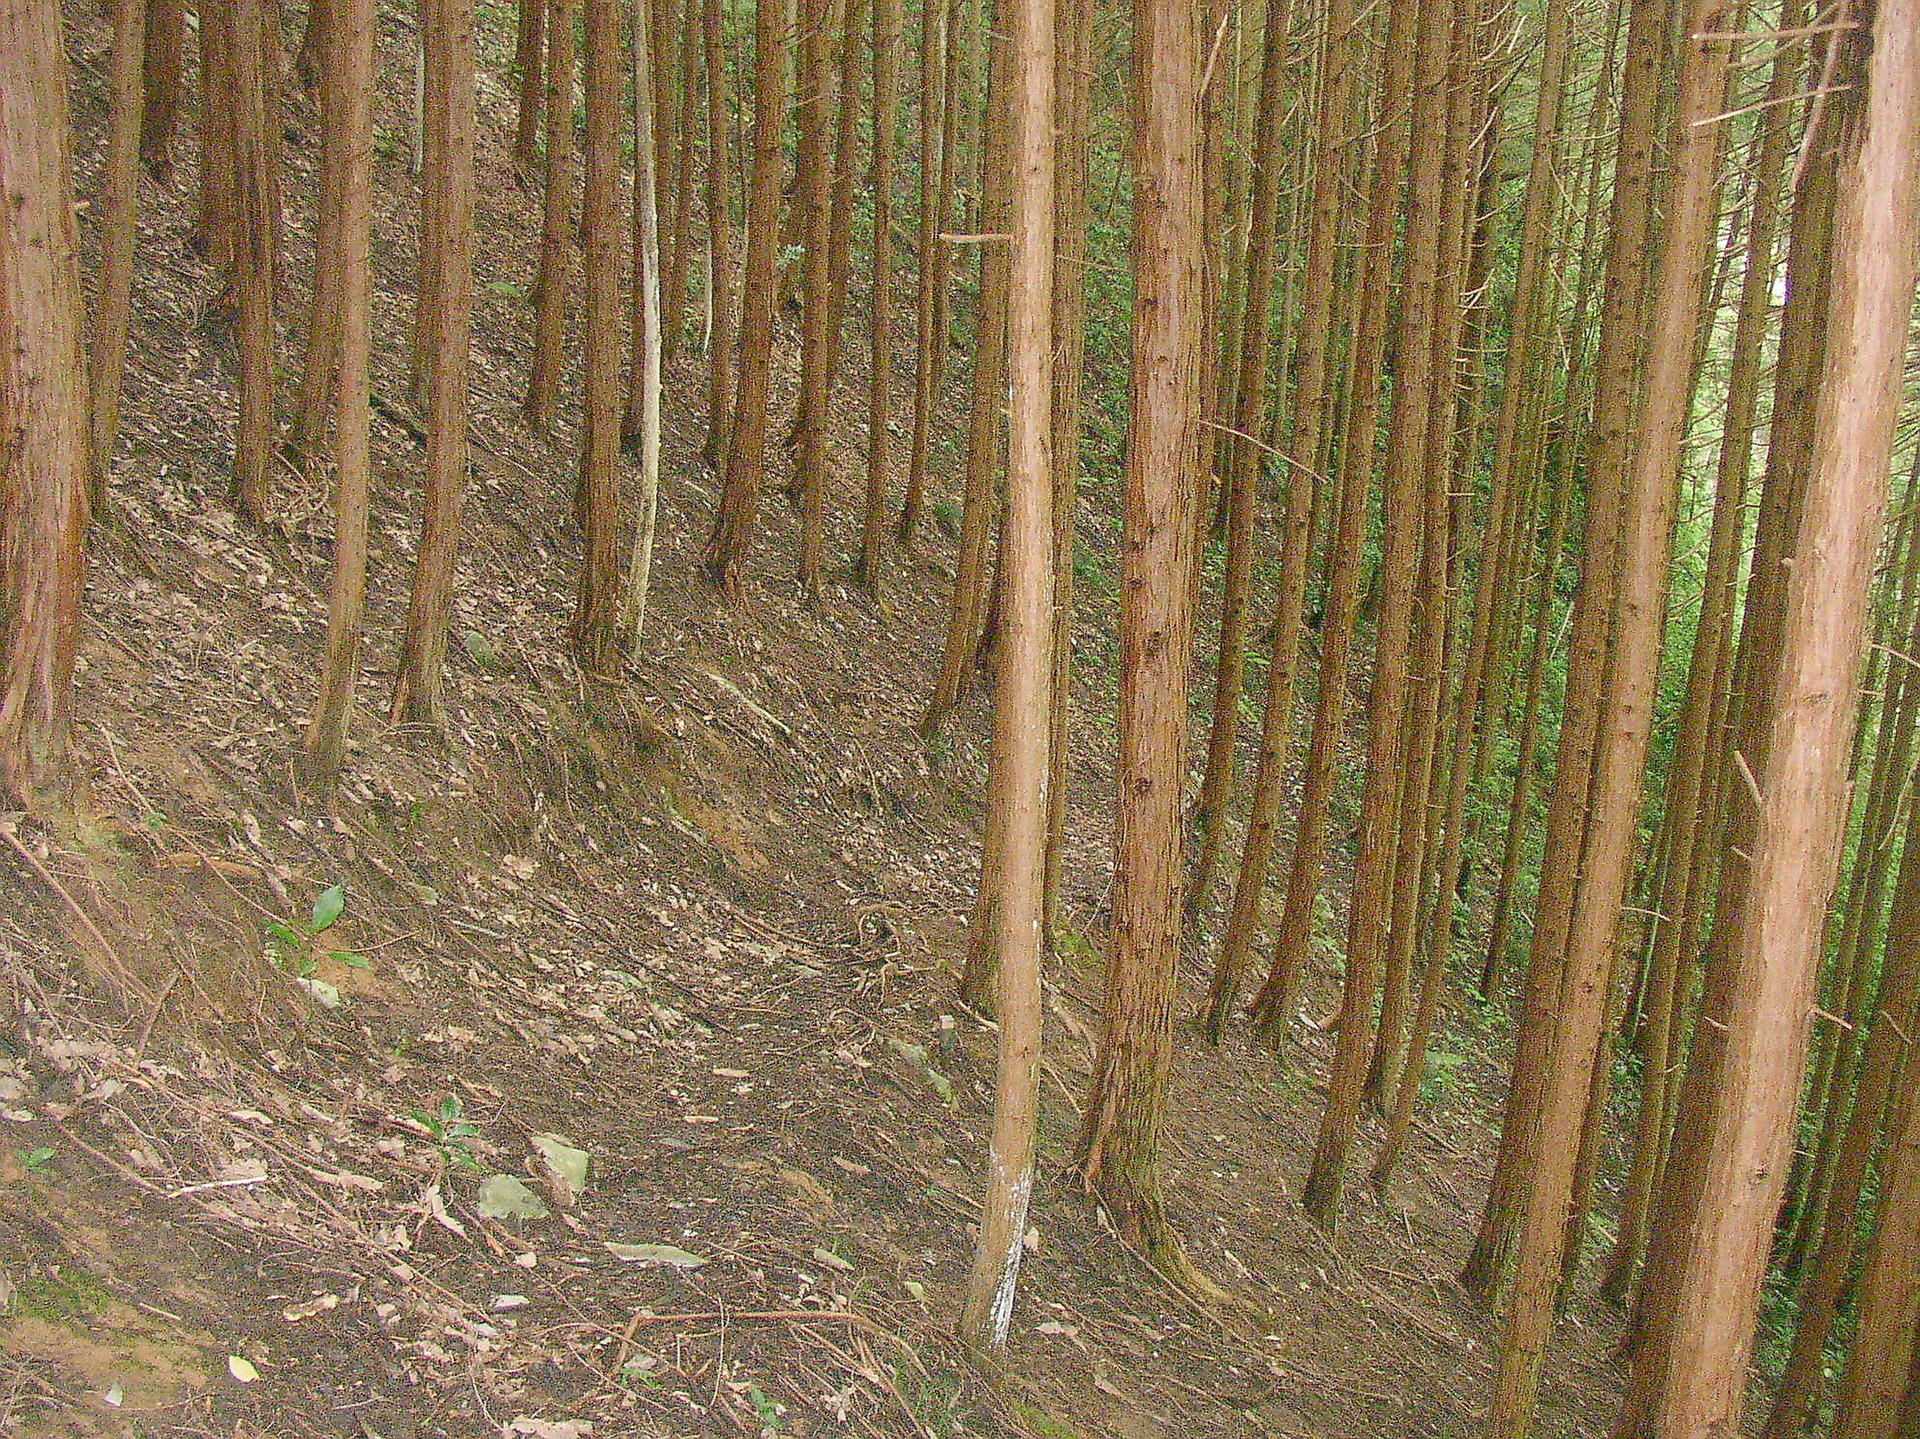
(43, 409)
(165, 41)
(643, 399)
(1020, 744)
(555, 271)
(120, 187)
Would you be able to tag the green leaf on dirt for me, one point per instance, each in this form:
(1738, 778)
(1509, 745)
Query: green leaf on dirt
(942, 1086)
(504, 1197)
(331, 904)
(566, 1165)
(915, 1054)
(324, 994)
(663, 1255)
(242, 1370)
(832, 1260)
(480, 649)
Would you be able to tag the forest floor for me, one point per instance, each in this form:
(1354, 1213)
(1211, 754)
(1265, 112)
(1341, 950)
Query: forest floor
(701, 924)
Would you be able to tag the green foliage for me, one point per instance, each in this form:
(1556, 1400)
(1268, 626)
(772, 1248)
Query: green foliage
(295, 943)
(35, 1161)
(450, 1131)
(62, 1292)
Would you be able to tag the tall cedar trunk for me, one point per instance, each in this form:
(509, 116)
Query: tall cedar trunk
(347, 76)
(1746, 726)
(166, 33)
(428, 158)
(733, 530)
(251, 66)
(214, 120)
(939, 106)
(1886, 1054)
(685, 95)
(529, 66)
(814, 215)
(1069, 353)
(1694, 1383)
(120, 185)
(1689, 792)
(1355, 480)
(1875, 1399)
(596, 615)
(643, 397)
(1623, 726)
(886, 114)
(1242, 468)
(966, 615)
(1025, 675)
(555, 270)
(720, 286)
(1610, 455)
(1404, 522)
(1313, 406)
(43, 408)
(423, 648)
(1120, 1134)
(320, 358)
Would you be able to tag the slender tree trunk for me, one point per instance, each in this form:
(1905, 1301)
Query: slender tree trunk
(1119, 1142)
(310, 58)
(1342, 606)
(347, 75)
(1313, 409)
(886, 109)
(643, 399)
(418, 676)
(814, 217)
(1020, 745)
(673, 296)
(166, 32)
(940, 68)
(120, 186)
(733, 531)
(720, 286)
(43, 409)
(966, 616)
(257, 200)
(529, 56)
(1242, 456)
(1694, 1383)
(596, 616)
(553, 278)
(214, 120)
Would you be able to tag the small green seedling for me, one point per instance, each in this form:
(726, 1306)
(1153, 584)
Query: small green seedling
(768, 1411)
(296, 943)
(34, 1161)
(450, 1133)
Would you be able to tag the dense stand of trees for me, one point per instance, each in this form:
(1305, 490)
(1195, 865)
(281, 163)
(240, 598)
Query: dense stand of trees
(1533, 377)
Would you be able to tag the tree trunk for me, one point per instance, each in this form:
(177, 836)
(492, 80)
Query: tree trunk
(733, 531)
(417, 679)
(720, 286)
(1020, 745)
(1694, 1383)
(1119, 1142)
(43, 409)
(120, 187)
(556, 221)
(257, 201)
(940, 70)
(529, 46)
(886, 110)
(814, 215)
(347, 75)
(643, 396)
(596, 616)
(165, 41)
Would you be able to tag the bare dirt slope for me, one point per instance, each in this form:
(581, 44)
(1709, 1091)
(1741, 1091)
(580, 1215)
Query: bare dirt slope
(697, 924)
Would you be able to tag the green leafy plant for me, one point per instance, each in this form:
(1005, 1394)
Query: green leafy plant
(34, 1161)
(296, 942)
(505, 289)
(765, 1408)
(450, 1131)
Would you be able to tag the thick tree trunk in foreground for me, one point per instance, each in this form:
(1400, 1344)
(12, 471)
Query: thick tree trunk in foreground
(416, 685)
(1020, 743)
(348, 77)
(43, 407)
(1697, 1380)
(1120, 1137)
(166, 33)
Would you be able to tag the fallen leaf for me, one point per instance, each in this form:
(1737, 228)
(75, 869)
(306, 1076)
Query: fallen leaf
(655, 1254)
(436, 1208)
(566, 1166)
(113, 1398)
(504, 1197)
(242, 1371)
(548, 1428)
(832, 1260)
(321, 1305)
